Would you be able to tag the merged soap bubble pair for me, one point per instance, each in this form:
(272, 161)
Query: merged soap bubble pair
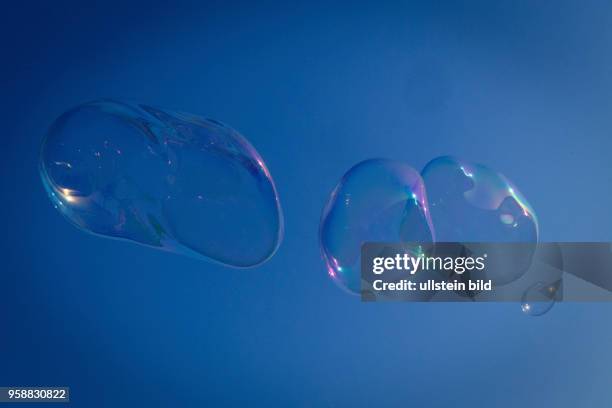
(451, 200)
(169, 180)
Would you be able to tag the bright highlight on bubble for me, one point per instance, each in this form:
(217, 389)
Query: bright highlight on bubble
(169, 180)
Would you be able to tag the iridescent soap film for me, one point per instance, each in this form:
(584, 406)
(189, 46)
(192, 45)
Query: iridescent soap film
(452, 200)
(169, 180)
(471, 202)
(376, 200)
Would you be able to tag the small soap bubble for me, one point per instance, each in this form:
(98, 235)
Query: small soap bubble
(169, 180)
(539, 298)
(473, 203)
(375, 201)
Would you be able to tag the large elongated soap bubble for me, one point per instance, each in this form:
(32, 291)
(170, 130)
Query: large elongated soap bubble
(376, 200)
(169, 180)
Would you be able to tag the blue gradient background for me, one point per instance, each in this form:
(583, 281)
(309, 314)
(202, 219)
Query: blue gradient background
(521, 86)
